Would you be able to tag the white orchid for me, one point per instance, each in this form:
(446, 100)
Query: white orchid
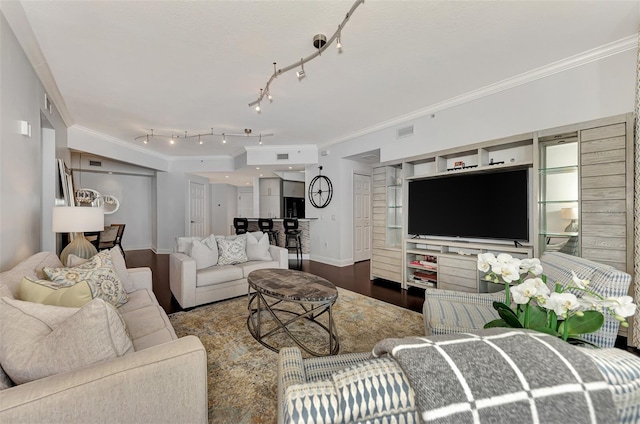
(623, 306)
(577, 282)
(562, 303)
(522, 293)
(485, 261)
(508, 271)
(531, 266)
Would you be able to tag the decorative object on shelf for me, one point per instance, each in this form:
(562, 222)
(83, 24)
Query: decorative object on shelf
(320, 42)
(88, 196)
(560, 313)
(572, 214)
(320, 190)
(77, 219)
(200, 137)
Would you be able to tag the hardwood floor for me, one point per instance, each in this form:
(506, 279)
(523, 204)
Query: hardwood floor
(354, 278)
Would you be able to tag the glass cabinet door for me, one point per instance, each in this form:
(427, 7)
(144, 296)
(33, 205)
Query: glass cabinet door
(559, 199)
(394, 206)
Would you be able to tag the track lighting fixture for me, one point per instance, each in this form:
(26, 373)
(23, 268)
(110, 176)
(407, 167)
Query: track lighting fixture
(300, 73)
(320, 42)
(247, 132)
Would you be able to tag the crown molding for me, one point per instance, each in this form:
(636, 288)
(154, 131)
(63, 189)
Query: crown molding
(281, 147)
(586, 57)
(17, 19)
(114, 140)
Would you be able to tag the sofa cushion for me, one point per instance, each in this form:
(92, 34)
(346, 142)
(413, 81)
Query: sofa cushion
(218, 274)
(247, 267)
(204, 255)
(37, 344)
(32, 267)
(148, 326)
(137, 300)
(45, 292)
(232, 250)
(258, 246)
(98, 273)
(183, 244)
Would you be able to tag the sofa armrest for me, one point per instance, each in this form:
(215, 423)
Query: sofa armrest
(182, 279)
(141, 278)
(166, 383)
(281, 255)
(471, 298)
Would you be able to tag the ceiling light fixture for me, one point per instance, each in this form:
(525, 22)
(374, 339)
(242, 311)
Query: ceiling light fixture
(200, 137)
(300, 74)
(320, 42)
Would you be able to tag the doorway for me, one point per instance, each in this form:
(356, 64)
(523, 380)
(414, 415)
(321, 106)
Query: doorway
(361, 217)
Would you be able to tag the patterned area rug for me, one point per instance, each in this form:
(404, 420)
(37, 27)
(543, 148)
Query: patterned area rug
(242, 372)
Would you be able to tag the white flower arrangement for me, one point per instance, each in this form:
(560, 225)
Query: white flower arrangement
(560, 312)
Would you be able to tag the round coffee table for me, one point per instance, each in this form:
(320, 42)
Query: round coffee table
(313, 294)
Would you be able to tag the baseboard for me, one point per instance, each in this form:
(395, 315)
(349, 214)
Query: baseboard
(332, 261)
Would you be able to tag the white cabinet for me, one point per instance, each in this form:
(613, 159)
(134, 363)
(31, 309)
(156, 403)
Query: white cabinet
(270, 186)
(386, 251)
(451, 265)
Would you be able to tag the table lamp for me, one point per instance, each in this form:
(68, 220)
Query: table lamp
(77, 219)
(572, 214)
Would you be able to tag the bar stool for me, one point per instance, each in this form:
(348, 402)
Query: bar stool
(241, 225)
(266, 226)
(291, 233)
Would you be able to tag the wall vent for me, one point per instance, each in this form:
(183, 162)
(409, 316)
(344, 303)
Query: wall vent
(282, 156)
(404, 132)
(95, 163)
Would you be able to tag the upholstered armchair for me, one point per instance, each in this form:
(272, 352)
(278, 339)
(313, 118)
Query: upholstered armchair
(448, 311)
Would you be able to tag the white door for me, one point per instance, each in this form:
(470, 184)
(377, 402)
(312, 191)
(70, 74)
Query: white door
(362, 217)
(196, 209)
(245, 202)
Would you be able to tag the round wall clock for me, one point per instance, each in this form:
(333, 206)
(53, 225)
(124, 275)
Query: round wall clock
(320, 191)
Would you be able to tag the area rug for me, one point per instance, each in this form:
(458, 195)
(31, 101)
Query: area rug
(243, 373)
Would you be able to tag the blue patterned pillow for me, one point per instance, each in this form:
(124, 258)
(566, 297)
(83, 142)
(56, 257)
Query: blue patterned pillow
(232, 250)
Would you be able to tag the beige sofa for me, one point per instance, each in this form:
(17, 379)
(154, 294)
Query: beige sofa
(164, 380)
(192, 287)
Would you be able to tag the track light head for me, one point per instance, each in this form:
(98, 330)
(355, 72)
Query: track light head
(300, 74)
(258, 107)
(224, 139)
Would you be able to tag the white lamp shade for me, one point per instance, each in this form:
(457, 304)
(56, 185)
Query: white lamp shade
(569, 213)
(77, 219)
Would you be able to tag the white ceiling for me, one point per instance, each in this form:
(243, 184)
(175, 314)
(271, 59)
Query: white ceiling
(124, 67)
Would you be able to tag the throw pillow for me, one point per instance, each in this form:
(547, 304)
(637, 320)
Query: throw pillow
(99, 275)
(204, 255)
(183, 244)
(119, 266)
(31, 349)
(232, 250)
(258, 247)
(47, 293)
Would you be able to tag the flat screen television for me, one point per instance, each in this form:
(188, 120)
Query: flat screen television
(491, 205)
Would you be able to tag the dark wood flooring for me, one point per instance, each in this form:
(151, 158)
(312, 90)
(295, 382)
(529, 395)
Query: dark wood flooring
(354, 278)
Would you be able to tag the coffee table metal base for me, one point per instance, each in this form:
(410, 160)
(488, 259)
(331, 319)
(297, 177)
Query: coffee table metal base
(309, 311)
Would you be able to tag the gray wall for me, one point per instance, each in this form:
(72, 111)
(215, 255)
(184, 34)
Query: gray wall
(22, 229)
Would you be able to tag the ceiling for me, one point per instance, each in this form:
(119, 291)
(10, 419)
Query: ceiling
(124, 67)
